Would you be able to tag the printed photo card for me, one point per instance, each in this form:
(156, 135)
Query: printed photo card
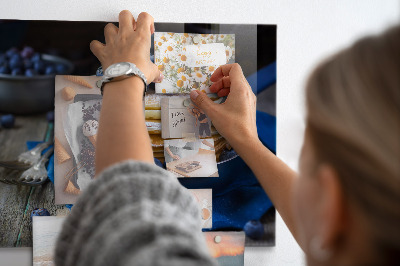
(191, 157)
(45, 231)
(188, 60)
(204, 200)
(226, 247)
(179, 117)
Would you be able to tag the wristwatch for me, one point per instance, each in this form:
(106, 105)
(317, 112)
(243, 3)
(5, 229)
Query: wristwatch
(123, 70)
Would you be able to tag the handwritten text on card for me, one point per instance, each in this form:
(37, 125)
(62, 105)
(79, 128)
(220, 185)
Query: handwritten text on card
(210, 54)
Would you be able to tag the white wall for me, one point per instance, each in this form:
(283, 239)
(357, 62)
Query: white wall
(307, 31)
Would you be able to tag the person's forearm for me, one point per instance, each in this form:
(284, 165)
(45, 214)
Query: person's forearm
(275, 177)
(122, 133)
(169, 152)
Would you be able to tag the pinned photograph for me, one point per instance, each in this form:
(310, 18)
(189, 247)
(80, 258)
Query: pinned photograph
(188, 60)
(226, 247)
(204, 199)
(45, 230)
(191, 158)
(180, 117)
(77, 112)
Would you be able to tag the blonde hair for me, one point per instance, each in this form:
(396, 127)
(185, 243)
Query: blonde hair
(353, 120)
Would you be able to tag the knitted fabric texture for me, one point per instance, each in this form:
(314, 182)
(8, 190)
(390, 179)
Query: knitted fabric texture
(134, 213)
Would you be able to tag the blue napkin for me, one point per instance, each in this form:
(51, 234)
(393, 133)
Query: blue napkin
(50, 166)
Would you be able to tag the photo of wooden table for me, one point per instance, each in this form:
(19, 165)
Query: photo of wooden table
(16, 201)
(207, 161)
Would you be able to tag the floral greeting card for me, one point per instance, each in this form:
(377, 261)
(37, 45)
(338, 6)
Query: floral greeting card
(188, 60)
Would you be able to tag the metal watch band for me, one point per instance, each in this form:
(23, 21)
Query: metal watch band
(135, 71)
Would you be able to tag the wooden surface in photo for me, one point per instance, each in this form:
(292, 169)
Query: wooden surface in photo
(205, 157)
(17, 202)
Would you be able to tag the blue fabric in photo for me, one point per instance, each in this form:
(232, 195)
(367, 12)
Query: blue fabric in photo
(263, 78)
(50, 166)
(237, 194)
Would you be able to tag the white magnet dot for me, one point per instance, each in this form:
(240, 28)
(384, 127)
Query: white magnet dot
(217, 239)
(196, 39)
(187, 102)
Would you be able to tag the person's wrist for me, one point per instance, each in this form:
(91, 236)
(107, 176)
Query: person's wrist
(131, 85)
(244, 141)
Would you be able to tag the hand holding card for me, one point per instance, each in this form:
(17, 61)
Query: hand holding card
(235, 120)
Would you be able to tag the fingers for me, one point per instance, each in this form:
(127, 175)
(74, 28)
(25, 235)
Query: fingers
(203, 102)
(158, 75)
(225, 82)
(96, 47)
(159, 78)
(110, 31)
(234, 71)
(126, 22)
(145, 23)
(224, 92)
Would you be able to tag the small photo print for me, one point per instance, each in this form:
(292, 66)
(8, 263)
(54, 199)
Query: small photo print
(226, 247)
(191, 158)
(45, 230)
(204, 199)
(188, 60)
(179, 117)
(77, 105)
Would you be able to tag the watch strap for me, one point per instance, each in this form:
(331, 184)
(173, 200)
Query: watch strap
(135, 71)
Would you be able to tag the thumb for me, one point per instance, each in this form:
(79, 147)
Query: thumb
(158, 75)
(202, 101)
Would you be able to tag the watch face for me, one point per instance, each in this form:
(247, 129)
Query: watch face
(118, 69)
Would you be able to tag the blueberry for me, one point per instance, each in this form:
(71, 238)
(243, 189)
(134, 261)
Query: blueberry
(16, 72)
(7, 121)
(15, 62)
(16, 57)
(50, 70)
(36, 57)
(40, 212)
(27, 52)
(12, 51)
(30, 72)
(99, 72)
(254, 229)
(5, 63)
(39, 66)
(3, 59)
(50, 116)
(4, 70)
(27, 63)
(61, 69)
(158, 162)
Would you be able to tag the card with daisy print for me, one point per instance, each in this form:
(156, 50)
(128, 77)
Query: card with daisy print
(188, 60)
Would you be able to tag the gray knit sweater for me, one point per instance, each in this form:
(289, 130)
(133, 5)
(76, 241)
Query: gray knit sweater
(134, 213)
